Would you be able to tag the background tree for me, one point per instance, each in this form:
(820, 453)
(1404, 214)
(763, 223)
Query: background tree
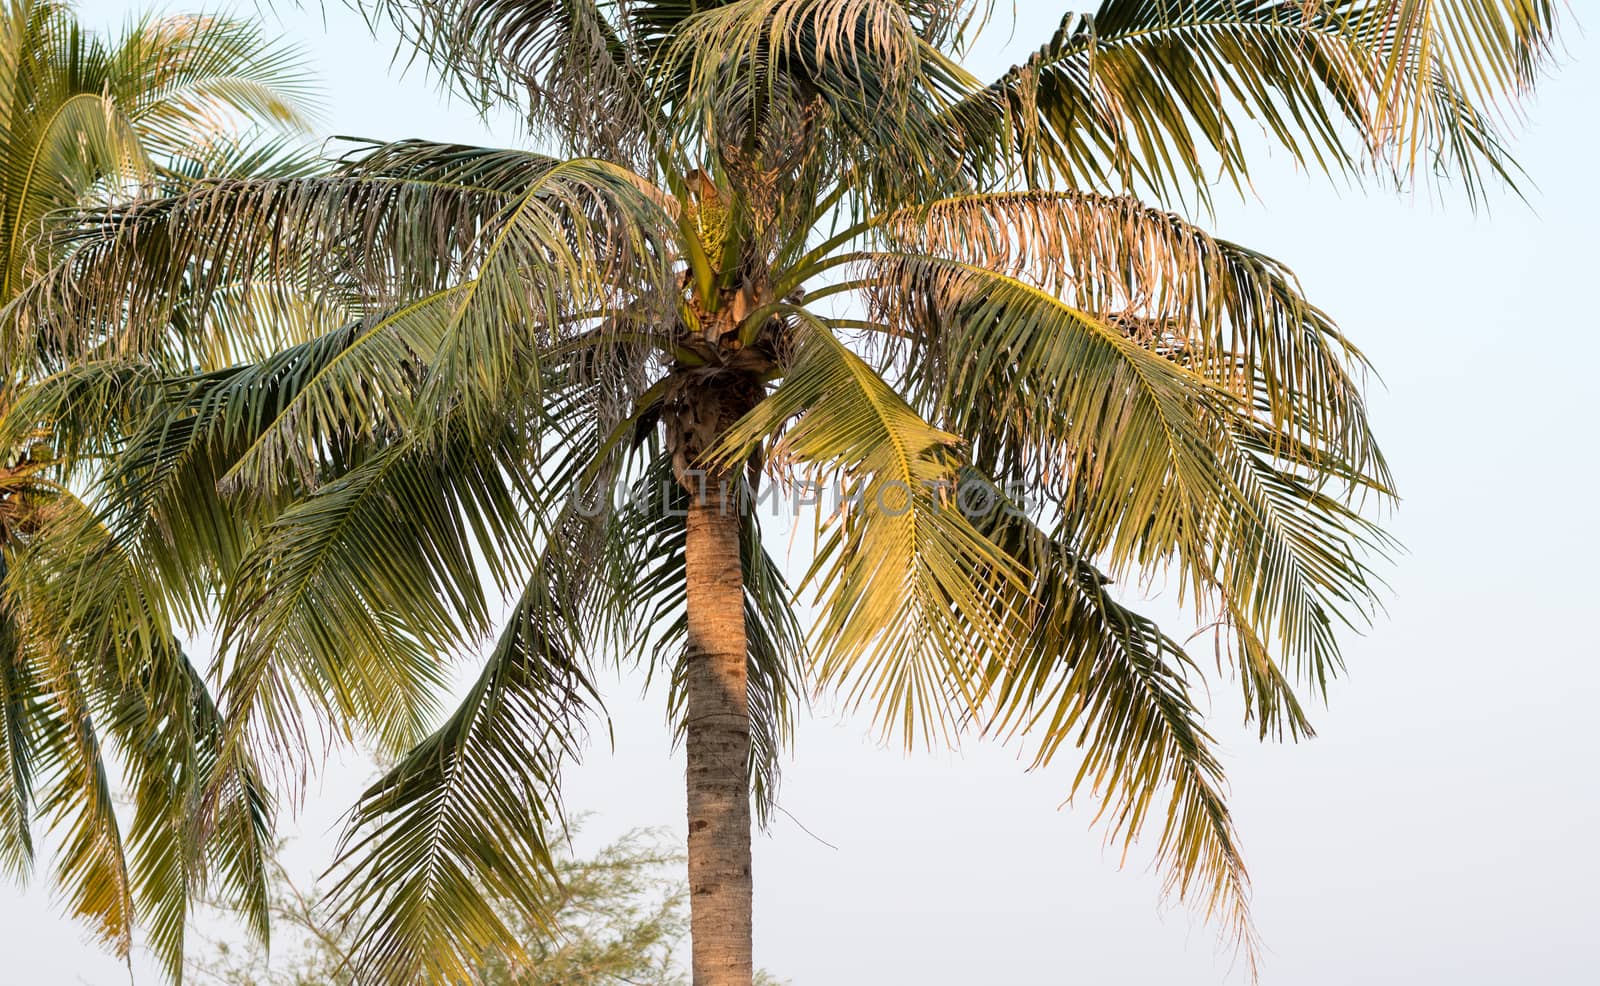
(86, 120)
(781, 239)
(620, 918)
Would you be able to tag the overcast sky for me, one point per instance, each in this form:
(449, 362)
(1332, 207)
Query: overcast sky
(1440, 829)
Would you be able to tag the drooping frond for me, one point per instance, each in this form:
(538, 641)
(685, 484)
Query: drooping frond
(1299, 569)
(1057, 395)
(460, 826)
(1089, 672)
(171, 738)
(81, 598)
(93, 678)
(20, 695)
(342, 601)
(1150, 464)
(91, 633)
(355, 593)
(572, 66)
(75, 801)
(1235, 316)
(776, 677)
(902, 579)
(1148, 93)
(861, 53)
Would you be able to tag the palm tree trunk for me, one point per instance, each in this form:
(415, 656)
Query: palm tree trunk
(717, 740)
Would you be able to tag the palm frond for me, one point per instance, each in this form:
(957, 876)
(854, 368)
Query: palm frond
(159, 450)
(19, 699)
(572, 65)
(88, 119)
(1298, 568)
(1151, 465)
(171, 738)
(776, 676)
(460, 825)
(1052, 394)
(354, 594)
(1237, 317)
(178, 77)
(91, 627)
(902, 579)
(78, 140)
(819, 91)
(1144, 93)
(467, 278)
(75, 590)
(75, 800)
(1089, 671)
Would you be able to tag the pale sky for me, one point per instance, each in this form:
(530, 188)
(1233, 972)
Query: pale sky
(1442, 826)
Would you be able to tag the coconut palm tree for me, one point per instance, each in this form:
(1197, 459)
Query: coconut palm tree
(91, 120)
(782, 244)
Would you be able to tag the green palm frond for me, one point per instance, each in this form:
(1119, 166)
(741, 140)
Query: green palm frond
(843, 92)
(93, 678)
(1057, 395)
(1145, 93)
(1088, 671)
(75, 801)
(94, 623)
(570, 65)
(1298, 570)
(171, 737)
(110, 688)
(356, 592)
(82, 137)
(902, 579)
(163, 448)
(177, 75)
(81, 597)
(441, 258)
(1151, 464)
(87, 118)
(1235, 316)
(19, 700)
(778, 668)
(461, 824)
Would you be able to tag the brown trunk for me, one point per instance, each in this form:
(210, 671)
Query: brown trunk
(717, 739)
